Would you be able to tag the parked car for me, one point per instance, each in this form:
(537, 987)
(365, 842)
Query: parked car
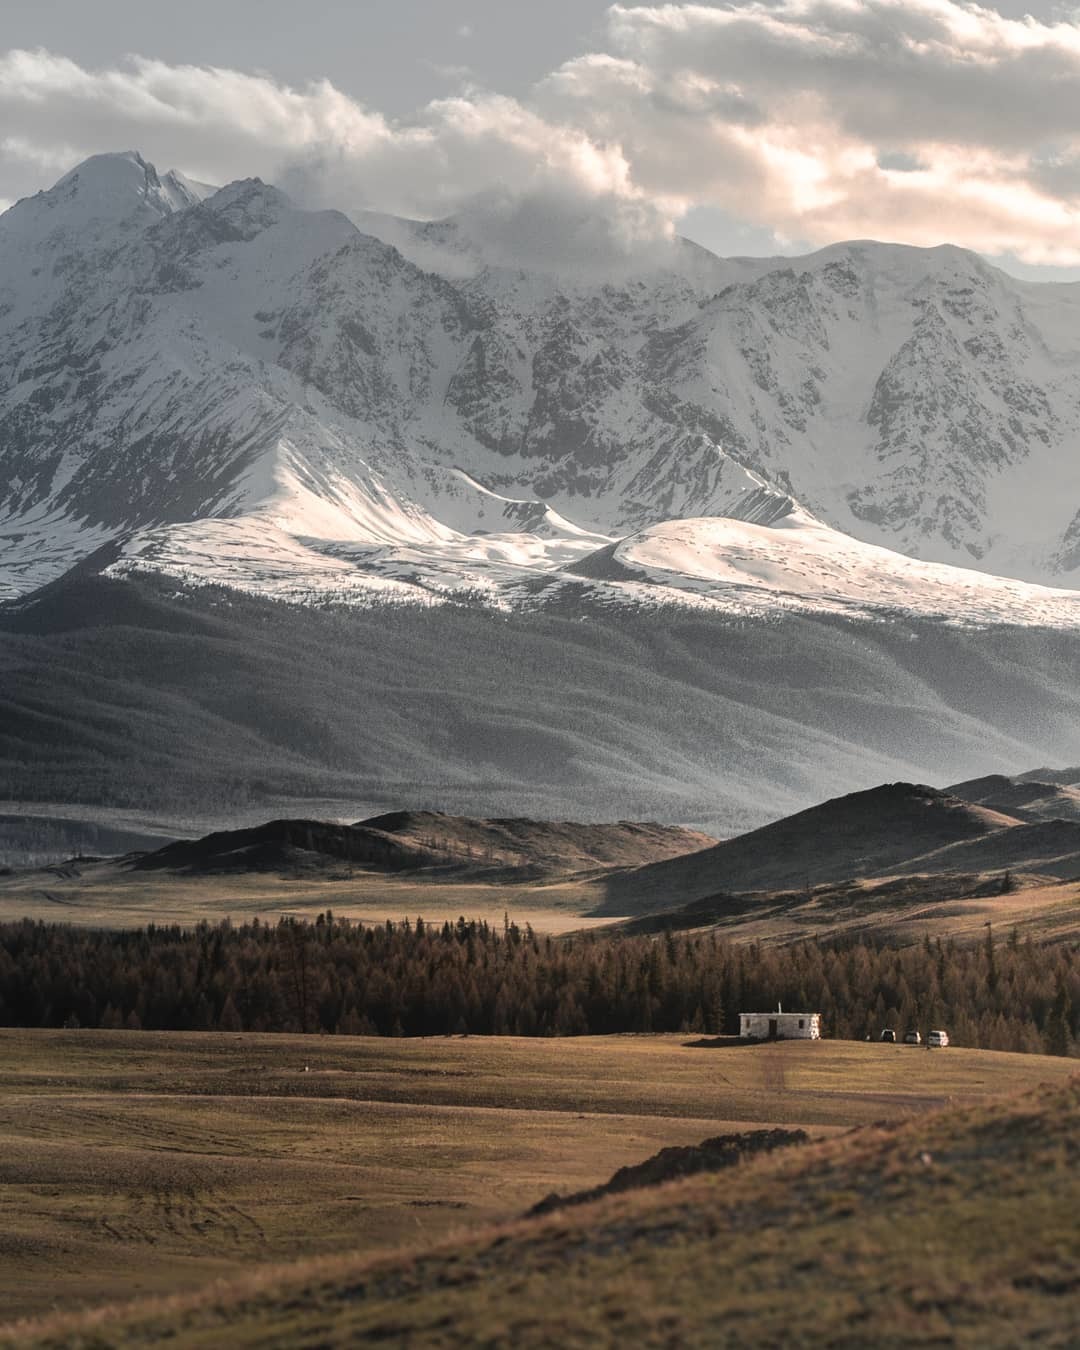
(912, 1038)
(889, 1035)
(938, 1038)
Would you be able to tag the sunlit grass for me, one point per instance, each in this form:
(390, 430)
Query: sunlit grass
(146, 1163)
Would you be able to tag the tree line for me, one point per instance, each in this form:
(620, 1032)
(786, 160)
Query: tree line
(417, 979)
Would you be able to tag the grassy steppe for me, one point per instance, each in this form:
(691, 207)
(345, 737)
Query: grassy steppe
(109, 896)
(897, 910)
(957, 1229)
(143, 1163)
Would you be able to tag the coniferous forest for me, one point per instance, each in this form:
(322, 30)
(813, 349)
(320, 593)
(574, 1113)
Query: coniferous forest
(414, 979)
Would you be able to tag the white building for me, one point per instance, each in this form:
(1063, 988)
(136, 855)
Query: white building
(780, 1026)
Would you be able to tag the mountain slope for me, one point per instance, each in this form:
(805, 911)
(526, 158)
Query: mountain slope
(1062, 777)
(619, 478)
(1026, 798)
(212, 703)
(1049, 848)
(863, 834)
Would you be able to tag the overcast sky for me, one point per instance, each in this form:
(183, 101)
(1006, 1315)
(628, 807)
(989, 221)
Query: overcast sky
(753, 126)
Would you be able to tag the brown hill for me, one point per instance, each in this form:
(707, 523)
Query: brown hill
(898, 910)
(287, 845)
(863, 834)
(1026, 798)
(414, 840)
(553, 845)
(1049, 848)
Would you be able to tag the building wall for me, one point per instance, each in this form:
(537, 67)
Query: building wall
(789, 1026)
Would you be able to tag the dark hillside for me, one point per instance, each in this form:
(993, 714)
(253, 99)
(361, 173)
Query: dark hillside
(287, 845)
(1048, 848)
(134, 694)
(1026, 798)
(1067, 777)
(404, 840)
(860, 835)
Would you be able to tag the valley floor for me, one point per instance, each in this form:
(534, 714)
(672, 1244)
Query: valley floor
(139, 1164)
(900, 910)
(105, 895)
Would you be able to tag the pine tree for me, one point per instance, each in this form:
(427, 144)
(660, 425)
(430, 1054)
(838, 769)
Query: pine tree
(1059, 1024)
(230, 1018)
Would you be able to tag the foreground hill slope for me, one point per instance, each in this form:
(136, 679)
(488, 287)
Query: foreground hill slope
(956, 1228)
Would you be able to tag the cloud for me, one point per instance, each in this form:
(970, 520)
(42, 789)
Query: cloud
(210, 120)
(477, 151)
(917, 120)
(528, 189)
(911, 120)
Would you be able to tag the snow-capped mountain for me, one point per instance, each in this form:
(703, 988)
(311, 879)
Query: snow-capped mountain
(232, 389)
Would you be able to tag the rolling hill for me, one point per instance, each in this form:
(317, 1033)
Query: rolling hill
(1026, 798)
(887, 829)
(404, 841)
(1066, 777)
(1050, 848)
(894, 863)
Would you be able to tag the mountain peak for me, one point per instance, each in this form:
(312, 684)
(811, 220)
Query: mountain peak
(117, 184)
(249, 205)
(98, 194)
(109, 163)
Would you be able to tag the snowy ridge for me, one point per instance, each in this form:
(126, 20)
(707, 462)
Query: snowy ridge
(799, 563)
(793, 565)
(247, 393)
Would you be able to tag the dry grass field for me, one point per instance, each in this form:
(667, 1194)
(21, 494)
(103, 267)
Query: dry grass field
(104, 895)
(137, 1164)
(900, 910)
(953, 1229)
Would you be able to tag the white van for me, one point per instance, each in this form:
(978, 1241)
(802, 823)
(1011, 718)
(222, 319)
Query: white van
(938, 1038)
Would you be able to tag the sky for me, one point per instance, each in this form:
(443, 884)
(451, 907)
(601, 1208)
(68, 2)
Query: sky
(752, 126)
